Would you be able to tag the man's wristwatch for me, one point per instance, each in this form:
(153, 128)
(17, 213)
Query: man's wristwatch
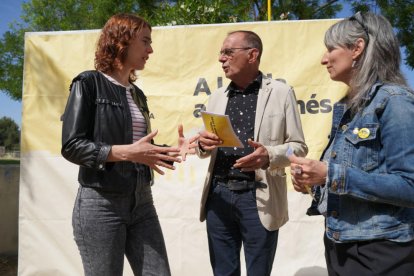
(200, 147)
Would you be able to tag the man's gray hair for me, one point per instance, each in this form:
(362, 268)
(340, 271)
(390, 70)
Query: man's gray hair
(252, 39)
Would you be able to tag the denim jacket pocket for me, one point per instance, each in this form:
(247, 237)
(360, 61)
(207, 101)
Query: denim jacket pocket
(364, 145)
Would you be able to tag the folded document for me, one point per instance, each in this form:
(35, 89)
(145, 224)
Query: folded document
(221, 126)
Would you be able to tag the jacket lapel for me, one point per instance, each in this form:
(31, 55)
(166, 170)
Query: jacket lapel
(262, 99)
(141, 101)
(221, 104)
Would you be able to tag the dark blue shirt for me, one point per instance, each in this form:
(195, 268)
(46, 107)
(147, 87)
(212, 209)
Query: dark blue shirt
(241, 109)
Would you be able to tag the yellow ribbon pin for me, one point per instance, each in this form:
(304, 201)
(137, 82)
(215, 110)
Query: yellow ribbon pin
(363, 133)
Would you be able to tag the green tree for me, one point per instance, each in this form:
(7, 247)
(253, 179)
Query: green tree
(400, 14)
(9, 133)
(51, 15)
(183, 12)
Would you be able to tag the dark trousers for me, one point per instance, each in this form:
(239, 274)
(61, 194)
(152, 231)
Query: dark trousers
(368, 258)
(108, 227)
(233, 220)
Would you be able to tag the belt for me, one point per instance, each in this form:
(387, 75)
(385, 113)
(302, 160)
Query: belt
(241, 185)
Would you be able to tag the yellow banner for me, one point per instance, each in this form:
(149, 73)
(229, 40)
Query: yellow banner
(180, 75)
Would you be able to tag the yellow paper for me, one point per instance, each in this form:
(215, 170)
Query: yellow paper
(221, 126)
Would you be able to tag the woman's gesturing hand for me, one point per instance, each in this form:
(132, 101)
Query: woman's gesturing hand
(186, 146)
(151, 155)
(144, 152)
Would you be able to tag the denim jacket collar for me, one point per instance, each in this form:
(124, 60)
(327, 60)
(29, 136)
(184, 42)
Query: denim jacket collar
(373, 91)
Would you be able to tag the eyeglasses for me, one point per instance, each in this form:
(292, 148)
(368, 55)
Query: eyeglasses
(229, 52)
(360, 22)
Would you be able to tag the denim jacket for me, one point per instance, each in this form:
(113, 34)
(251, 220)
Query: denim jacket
(371, 168)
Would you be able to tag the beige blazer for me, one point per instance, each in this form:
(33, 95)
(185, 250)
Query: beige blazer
(277, 126)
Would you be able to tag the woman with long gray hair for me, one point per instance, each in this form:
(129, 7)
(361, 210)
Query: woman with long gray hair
(364, 182)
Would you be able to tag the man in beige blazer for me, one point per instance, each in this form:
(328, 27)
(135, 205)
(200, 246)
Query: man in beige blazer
(244, 200)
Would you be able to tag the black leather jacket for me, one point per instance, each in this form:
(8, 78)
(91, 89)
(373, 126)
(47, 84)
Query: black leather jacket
(97, 116)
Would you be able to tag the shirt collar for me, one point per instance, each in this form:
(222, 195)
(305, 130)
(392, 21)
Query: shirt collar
(114, 81)
(253, 86)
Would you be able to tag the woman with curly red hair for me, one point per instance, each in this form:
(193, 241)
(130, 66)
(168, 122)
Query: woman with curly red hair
(106, 131)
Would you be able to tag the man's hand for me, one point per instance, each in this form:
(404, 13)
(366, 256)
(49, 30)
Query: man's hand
(258, 159)
(208, 140)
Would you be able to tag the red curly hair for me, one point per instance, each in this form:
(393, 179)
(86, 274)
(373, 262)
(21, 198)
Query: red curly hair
(114, 41)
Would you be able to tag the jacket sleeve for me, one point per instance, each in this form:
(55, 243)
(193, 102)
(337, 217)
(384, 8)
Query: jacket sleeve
(79, 126)
(201, 153)
(293, 136)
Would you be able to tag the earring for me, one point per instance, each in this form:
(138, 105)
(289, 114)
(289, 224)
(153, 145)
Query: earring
(353, 64)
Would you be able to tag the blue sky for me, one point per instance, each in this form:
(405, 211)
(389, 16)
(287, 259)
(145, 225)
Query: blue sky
(10, 10)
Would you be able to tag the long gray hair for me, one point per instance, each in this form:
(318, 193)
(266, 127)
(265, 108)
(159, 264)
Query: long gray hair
(380, 60)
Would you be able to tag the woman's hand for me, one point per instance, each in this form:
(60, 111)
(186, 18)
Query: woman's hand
(307, 172)
(143, 152)
(186, 146)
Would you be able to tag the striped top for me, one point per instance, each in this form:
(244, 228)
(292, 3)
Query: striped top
(139, 126)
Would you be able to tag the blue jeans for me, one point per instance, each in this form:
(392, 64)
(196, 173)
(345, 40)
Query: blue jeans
(108, 226)
(233, 220)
